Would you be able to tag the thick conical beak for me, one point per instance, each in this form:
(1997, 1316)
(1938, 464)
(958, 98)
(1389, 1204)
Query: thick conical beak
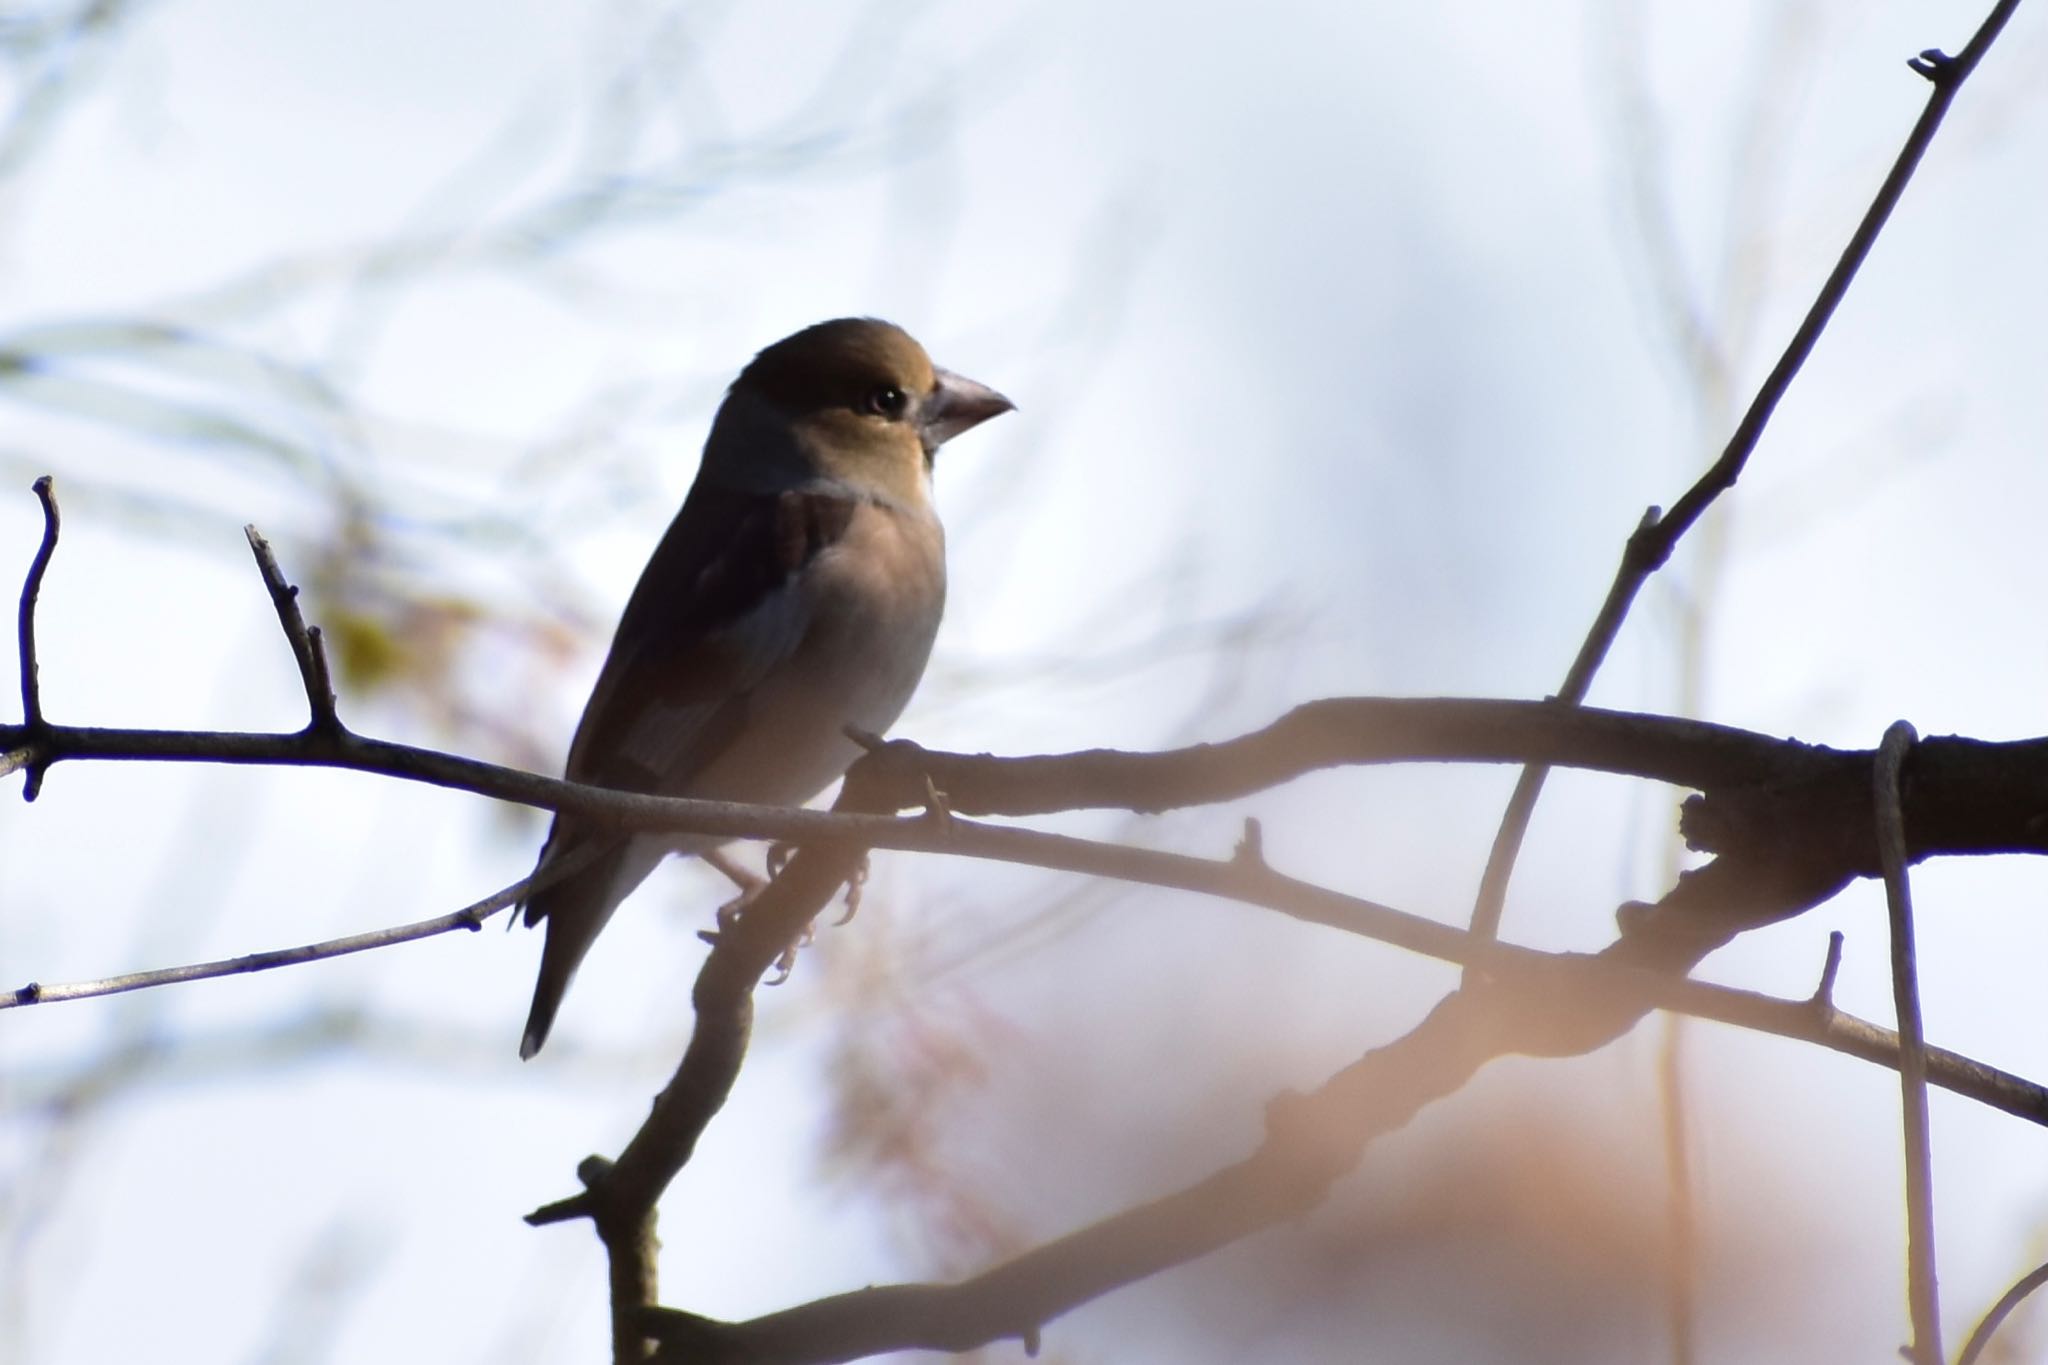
(957, 404)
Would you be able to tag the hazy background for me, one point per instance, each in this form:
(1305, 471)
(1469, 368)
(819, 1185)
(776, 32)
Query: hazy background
(1348, 342)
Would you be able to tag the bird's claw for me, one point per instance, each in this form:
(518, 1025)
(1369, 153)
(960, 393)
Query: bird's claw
(854, 885)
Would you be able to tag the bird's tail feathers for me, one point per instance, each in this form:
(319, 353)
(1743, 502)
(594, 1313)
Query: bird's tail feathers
(576, 908)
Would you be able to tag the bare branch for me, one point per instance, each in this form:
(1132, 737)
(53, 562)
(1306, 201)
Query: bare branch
(471, 916)
(305, 642)
(1824, 991)
(1892, 854)
(1334, 732)
(1655, 536)
(1805, 805)
(1682, 1218)
(1527, 1001)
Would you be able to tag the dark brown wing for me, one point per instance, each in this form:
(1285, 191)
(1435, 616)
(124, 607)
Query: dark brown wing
(709, 618)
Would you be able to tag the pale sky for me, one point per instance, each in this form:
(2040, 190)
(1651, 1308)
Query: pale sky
(1340, 312)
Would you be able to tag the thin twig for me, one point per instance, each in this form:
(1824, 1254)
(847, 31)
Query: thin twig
(1892, 854)
(307, 648)
(1824, 991)
(31, 590)
(2000, 1311)
(471, 916)
(1655, 537)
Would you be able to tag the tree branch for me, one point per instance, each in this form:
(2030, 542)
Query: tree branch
(25, 635)
(471, 916)
(1532, 1004)
(307, 649)
(1923, 1293)
(1526, 1001)
(1801, 808)
(1655, 537)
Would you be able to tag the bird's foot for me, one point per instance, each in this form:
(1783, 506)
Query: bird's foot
(854, 885)
(785, 961)
(751, 887)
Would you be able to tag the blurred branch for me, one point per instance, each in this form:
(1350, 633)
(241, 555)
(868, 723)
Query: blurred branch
(47, 53)
(1973, 1349)
(1709, 332)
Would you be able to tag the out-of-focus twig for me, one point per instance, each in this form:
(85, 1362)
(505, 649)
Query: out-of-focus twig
(1973, 1349)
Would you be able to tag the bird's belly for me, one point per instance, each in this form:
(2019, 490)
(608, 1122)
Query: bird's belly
(795, 742)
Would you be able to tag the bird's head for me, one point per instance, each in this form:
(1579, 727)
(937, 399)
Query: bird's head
(854, 399)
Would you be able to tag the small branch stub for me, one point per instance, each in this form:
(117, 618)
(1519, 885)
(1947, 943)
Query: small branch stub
(1824, 993)
(1250, 852)
(308, 650)
(1936, 65)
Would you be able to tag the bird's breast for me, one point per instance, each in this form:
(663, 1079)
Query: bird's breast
(871, 603)
(876, 596)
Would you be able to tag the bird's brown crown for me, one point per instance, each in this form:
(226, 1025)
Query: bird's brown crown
(843, 363)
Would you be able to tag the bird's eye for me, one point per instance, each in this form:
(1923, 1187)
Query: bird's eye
(886, 401)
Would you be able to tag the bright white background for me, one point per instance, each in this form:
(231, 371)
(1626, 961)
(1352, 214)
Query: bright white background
(1345, 319)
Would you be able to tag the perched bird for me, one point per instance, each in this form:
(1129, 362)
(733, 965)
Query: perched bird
(795, 594)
